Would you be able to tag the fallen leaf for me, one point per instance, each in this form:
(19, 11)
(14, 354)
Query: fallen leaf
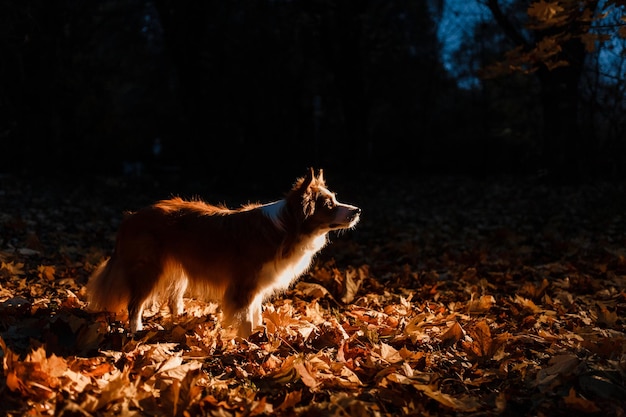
(573, 402)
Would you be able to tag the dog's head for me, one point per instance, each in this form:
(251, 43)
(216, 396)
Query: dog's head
(318, 207)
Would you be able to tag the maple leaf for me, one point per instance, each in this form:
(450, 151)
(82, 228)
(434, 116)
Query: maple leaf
(37, 376)
(481, 304)
(13, 268)
(460, 403)
(292, 399)
(115, 387)
(407, 342)
(287, 371)
(527, 304)
(305, 371)
(544, 11)
(46, 272)
(574, 402)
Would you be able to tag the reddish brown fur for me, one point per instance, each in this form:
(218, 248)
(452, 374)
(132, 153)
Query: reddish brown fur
(236, 256)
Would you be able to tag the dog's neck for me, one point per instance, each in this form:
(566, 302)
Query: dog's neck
(273, 211)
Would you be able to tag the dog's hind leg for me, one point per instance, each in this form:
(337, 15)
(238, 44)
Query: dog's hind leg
(143, 282)
(135, 311)
(176, 291)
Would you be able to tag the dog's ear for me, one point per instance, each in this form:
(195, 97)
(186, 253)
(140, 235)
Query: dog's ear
(302, 195)
(303, 183)
(320, 176)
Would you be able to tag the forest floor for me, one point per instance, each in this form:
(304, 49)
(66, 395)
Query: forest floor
(453, 296)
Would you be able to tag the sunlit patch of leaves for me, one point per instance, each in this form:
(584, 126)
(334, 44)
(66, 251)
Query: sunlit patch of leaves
(452, 297)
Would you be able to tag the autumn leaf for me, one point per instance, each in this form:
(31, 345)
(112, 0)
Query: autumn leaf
(481, 342)
(406, 341)
(13, 268)
(576, 403)
(561, 365)
(454, 334)
(292, 399)
(352, 280)
(480, 304)
(306, 373)
(606, 317)
(388, 353)
(46, 272)
(462, 403)
(287, 372)
(527, 304)
(37, 376)
(544, 11)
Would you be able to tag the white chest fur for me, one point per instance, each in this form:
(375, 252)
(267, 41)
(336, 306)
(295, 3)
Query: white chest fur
(279, 274)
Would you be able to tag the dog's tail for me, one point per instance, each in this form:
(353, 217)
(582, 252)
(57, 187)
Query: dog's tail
(107, 289)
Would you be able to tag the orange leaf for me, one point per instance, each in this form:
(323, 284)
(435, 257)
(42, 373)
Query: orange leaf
(292, 399)
(453, 334)
(579, 404)
(544, 11)
(305, 375)
(13, 268)
(46, 272)
(462, 403)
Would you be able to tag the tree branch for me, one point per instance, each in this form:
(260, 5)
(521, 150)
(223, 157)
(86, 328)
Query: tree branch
(506, 24)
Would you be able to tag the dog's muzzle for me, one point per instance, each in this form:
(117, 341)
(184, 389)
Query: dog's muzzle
(345, 216)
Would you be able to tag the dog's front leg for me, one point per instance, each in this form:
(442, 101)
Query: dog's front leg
(244, 304)
(250, 318)
(255, 313)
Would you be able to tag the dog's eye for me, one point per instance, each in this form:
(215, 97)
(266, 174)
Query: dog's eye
(329, 204)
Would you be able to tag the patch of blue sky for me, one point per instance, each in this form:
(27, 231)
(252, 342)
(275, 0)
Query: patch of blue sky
(458, 21)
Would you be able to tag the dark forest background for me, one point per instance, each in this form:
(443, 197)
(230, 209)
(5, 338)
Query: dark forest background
(200, 87)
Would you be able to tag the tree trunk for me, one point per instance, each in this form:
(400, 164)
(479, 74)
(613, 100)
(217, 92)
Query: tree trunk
(562, 140)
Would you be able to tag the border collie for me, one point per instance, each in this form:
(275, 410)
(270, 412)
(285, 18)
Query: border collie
(239, 257)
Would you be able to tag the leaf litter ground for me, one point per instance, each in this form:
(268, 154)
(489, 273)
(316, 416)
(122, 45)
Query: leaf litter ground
(453, 296)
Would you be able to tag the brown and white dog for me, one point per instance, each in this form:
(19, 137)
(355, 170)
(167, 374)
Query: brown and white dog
(238, 257)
